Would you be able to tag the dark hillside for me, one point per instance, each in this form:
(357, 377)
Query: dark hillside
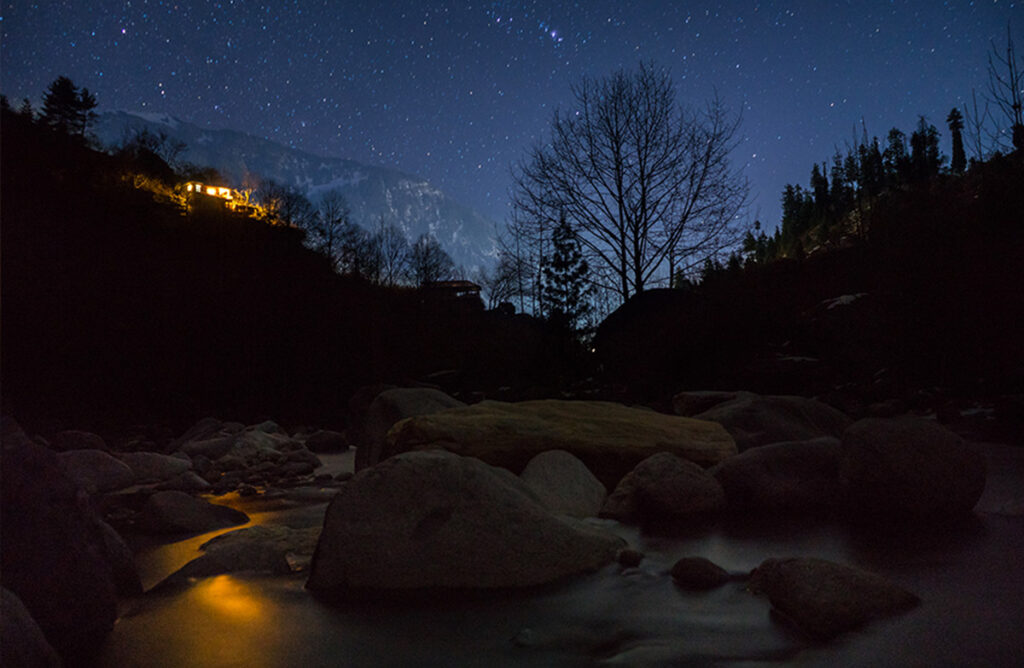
(934, 297)
(120, 309)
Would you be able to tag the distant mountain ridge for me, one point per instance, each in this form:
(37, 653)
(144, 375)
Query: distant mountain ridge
(412, 203)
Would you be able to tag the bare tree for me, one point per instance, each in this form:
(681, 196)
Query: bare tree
(393, 252)
(646, 184)
(329, 225)
(502, 283)
(1006, 88)
(977, 121)
(286, 204)
(428, 262)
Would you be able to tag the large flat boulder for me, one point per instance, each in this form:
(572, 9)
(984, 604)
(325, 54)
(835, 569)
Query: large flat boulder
(428, 520)
(799, 477)
(909, 467)
(564, 484)
(824, 598)
(611, 439)
(391, 406)
(755, 420)
(664, 489)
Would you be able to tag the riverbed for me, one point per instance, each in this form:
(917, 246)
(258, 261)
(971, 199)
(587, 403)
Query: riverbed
(967, 574)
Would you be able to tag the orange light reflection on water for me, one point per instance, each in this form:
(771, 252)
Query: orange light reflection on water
(230, 597)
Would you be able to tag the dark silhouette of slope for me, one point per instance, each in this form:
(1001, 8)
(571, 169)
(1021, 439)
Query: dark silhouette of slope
(934, 298)
(121, 309)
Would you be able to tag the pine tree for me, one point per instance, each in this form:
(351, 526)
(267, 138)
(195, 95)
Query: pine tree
(924, 150)
(67, 109)
(955, 120)
(566, 285)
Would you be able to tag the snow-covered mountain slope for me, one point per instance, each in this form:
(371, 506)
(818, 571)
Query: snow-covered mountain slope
(373, 193)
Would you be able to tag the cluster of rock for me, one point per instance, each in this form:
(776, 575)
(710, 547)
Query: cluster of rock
(65, 565)
(489, 496)
(443, 508)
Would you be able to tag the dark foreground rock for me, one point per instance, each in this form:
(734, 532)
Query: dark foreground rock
(325, 441)
(611, 439)
(564, 484)
(22, 642)
(427, 520)
(800, 477)
(178, 512)
(755, 420)
(664, 489)
(53, 550)
(909, 467)
(153, 466)
(824, 598)
(274, 550)
(391, 406)
(96, 471)
(698, 574)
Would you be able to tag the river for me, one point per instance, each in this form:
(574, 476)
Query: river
(969, 575)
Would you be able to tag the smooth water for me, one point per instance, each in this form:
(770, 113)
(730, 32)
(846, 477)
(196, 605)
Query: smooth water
(970, 578)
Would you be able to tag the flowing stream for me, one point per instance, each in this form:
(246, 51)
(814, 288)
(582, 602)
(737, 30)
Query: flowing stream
(969, 577)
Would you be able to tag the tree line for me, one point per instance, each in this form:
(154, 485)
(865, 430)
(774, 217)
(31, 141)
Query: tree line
(838, 200)
(382, 256)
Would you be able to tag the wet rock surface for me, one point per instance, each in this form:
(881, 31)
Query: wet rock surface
(171, 512)
(825, 599)
(698, 574)
(428, 520)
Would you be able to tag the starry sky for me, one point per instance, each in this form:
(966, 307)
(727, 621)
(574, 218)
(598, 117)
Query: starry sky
(456, 92)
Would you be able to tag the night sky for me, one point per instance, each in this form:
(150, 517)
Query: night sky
(456, 92)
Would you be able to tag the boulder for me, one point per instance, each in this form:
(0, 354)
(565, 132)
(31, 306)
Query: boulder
(186, 482)
(665, 489)
(609, 438)
(52, 548)
(428, 520)
(909, 467)
(74, 439)
(177, 512)
(799, 477)
(698, 574)
(689, 404)
(154, 467)
(564, 484)
(324, 441)
(277, 550)
(755, 420)
(214, 447)
(389, 407)
(96, 471)
(261, 443)
(825, 599)
(22, 642)
(209, 437)
(121, 560)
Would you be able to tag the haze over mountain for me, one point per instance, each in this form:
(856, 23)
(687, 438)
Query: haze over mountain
(373, 193)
